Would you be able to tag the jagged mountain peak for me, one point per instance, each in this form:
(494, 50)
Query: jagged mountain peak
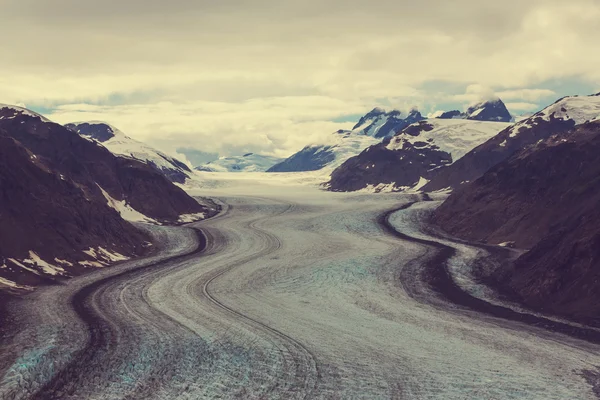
(489, 110)
(380, 123)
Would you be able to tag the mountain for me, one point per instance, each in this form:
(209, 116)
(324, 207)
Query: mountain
(65, 202)
(379, 123)
(249, 162)
(121, 145)
(561, 116)
(411, 156)
(343, 144)
(489, 110)
(545, 198)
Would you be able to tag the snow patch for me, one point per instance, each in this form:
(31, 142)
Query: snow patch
(14, 285)
(21, 265)
(186, 218)
(46, 267)
(126, 211)
(381, 188)
(112, 256)
(63, 262)
(422, 182)
(95, 264)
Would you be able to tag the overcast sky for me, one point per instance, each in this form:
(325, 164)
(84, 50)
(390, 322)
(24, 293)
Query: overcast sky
(270, 76)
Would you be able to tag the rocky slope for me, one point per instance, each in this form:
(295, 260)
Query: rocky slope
(249, 162)
(343, 144)
(411, 156)
(64, 201)
(545, 198)
(121, 145)
(558, 117)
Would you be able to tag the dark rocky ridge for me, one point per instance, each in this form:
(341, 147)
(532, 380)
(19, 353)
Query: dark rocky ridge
(100, 132)
(371, 115)
(547, 198)
(491, 110)
(52, 203)
(92, 165)
(41, 212)
(395, 123)
(497, 149)
(452, 115)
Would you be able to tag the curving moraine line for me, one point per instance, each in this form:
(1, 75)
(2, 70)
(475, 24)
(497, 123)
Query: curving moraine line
(437, 276)
(301, 355)
(301, 373)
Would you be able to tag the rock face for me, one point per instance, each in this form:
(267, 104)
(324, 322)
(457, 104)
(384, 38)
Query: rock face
(121, 145)
(63, 199)
(546, 198)
(454, 114)
(491, 110)
(249, 162)
(370, 129)
(558, 117)
(412, 156)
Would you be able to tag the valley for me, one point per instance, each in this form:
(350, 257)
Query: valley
(289, 293)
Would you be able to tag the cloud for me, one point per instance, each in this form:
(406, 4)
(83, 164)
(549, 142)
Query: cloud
(271, 74)
(274, 126)
(526, 94)
(522, 106)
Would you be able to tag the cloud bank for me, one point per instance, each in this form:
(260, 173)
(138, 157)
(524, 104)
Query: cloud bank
(269, 76)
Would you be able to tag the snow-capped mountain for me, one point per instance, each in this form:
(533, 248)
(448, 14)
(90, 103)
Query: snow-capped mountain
(379, 123)
(489, 110)
(410, 157)
(66, 202)
(343, 144)
(249, 162)
(561, 116)
(122, 145)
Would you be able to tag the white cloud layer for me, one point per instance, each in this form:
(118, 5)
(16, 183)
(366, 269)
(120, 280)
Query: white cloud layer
(270, 75)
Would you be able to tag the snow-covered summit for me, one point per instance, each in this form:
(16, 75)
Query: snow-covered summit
(456, 137)
(574, 109)
(122, 145)
(249, 162)
(343, 144)
(409, 159)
